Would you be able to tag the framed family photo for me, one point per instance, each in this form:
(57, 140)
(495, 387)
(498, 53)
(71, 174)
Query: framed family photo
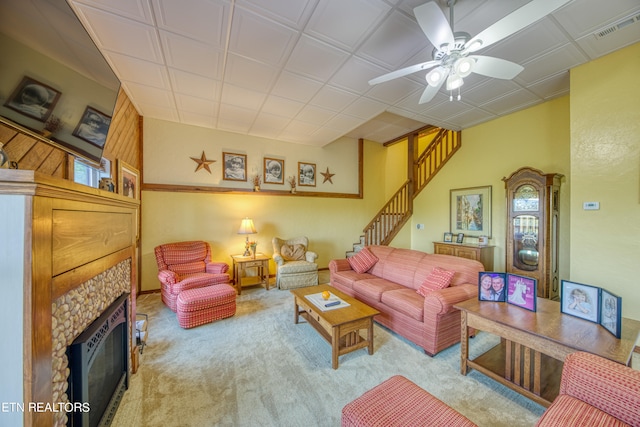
(128, 180)
(522, 291)
(93, 127)
(33, 99)
(273, 171)
(491, 286)
(611, 312)
(470, 211)
(580, 300)
(448, 237)
(307, 174)
(235, 167)
(460, 238)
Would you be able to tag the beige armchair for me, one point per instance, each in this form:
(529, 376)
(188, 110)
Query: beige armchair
(295, 265)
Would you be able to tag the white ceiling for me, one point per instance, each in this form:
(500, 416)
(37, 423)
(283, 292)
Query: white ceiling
(297, 70)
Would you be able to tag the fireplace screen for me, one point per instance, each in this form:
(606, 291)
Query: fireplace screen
(99, 366)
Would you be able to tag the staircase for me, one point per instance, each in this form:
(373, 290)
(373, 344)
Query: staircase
(398, 210)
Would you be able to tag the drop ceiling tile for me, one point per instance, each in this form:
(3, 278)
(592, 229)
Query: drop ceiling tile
(364, 108)
(196, 119)
(282, 106)
(552, 87)
(193, 104)
(614, 40)
(298, 127)
(194, 85)
(315, 115)
(346, 23)
(294, 13)
(295, 87)
(315, 59)
(117, 34)
(150, 95)
(355, 74)
(194, 57)
(343, 122)
(261, 39)
(396, 40)
(580, 18)
(269, 121)
(138, 71)
(250, 74)
(333, 98)
(511, 102)
(241, 97)
(551, 63)
(139, 10)
(233, 113)
(153, 111)
(394, 90)
(490, 89)
(201, 20)
(230, 125)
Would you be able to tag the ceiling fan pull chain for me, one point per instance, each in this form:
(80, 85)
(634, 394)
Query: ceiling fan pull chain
(459, 94)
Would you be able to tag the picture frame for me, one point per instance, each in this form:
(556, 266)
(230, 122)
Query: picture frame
(93, 127)
(273, 171)
(448, 237)
(522, 291)
(128, 180)
(580, 300)
(492, 286)
(235, 167)
(470, 211)
(611, 312)
(33, 99)
(306, 174)
(460, 238)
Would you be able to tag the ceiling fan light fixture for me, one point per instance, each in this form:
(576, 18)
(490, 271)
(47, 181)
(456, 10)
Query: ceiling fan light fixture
(464, 66)
(435, 76)
(454, 81)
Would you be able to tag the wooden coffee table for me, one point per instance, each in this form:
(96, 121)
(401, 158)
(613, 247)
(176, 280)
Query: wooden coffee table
(339, 327)
(530, 355)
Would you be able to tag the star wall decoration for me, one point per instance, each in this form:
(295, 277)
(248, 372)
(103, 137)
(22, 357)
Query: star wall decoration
(327, 176)
(202, 162)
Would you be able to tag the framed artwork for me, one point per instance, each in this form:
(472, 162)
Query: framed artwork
(307, 175)
(522, 291)
(491, 286)
(273, 171)
(128, 180)
(235, 167)
(460, 238)
(448, 237)
(33, 99)
(580, 300)
(470, 211)
(93, 127)
(611, 312)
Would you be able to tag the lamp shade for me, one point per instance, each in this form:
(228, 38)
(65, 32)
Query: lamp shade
(247, 227)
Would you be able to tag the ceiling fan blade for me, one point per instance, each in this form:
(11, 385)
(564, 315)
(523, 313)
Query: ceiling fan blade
(430, 92)
(495, 67)
(514, 22)
(434, 24)
(403, 72)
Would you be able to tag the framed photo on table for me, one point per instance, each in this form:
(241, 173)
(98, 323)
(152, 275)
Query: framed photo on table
(580, 300)
(448, 237)
(128, 180)
(491, 286)
(470, 211)
(611, 312)
(522, 291)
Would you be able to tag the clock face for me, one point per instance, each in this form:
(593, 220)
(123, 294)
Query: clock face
(526, 199)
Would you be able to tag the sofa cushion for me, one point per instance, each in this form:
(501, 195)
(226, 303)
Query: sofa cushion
(292, 252)
(567, 411)
(362, 261)
(405, 301)
(348, 277)
(373, 289)
(184, 252)
(188, 268)
(438, 279)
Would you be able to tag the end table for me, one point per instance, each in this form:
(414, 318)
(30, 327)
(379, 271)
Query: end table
(241, 263)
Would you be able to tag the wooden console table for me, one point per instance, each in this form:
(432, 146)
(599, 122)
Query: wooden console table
(484, 254)
(241, 263)
(531, 353)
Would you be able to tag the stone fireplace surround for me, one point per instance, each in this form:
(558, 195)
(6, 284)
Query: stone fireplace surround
(73, 312)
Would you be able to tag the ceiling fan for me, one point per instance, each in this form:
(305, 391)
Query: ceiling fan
(452, 57)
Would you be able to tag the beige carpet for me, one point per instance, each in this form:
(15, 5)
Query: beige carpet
(260, 369)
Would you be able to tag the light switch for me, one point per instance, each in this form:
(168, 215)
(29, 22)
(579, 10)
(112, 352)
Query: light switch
(420, 226)
(591, 206)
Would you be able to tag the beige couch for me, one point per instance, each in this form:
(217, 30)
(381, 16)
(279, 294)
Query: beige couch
(390, 286)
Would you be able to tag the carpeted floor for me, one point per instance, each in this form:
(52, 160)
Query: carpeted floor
(260, 369)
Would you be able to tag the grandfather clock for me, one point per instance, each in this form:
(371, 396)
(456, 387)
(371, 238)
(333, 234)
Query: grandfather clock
(532, 227)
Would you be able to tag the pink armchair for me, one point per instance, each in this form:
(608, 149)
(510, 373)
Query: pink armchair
(187, 265)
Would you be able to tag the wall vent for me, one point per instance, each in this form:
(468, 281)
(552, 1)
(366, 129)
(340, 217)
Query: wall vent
(624, 22)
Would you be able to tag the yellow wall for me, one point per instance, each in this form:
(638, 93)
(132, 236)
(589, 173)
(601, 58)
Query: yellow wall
(605, 153)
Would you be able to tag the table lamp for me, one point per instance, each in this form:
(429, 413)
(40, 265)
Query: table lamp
(246, 227)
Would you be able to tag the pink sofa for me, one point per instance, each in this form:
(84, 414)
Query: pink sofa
(390, 286)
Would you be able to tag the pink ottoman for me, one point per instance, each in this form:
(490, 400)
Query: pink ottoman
(399, 402)
(195, 307)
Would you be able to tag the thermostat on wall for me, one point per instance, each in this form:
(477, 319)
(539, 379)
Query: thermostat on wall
(591, 206)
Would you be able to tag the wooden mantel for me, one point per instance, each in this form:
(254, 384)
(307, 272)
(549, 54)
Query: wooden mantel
(55, 235)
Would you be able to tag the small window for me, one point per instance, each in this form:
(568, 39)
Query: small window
(90, 175)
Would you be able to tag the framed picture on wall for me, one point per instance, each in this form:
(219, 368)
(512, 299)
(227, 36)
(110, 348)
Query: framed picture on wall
(307, 174)
(128, 180)
(273, 171)
(470, 211)
(33, 99)
(235, 167)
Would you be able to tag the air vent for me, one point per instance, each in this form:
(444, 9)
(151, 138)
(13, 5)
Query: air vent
(617, 26)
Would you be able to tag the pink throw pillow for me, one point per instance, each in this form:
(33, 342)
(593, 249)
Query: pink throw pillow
(362, 261)
(439, 278)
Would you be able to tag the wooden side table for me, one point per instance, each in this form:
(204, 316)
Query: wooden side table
(241, 263)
